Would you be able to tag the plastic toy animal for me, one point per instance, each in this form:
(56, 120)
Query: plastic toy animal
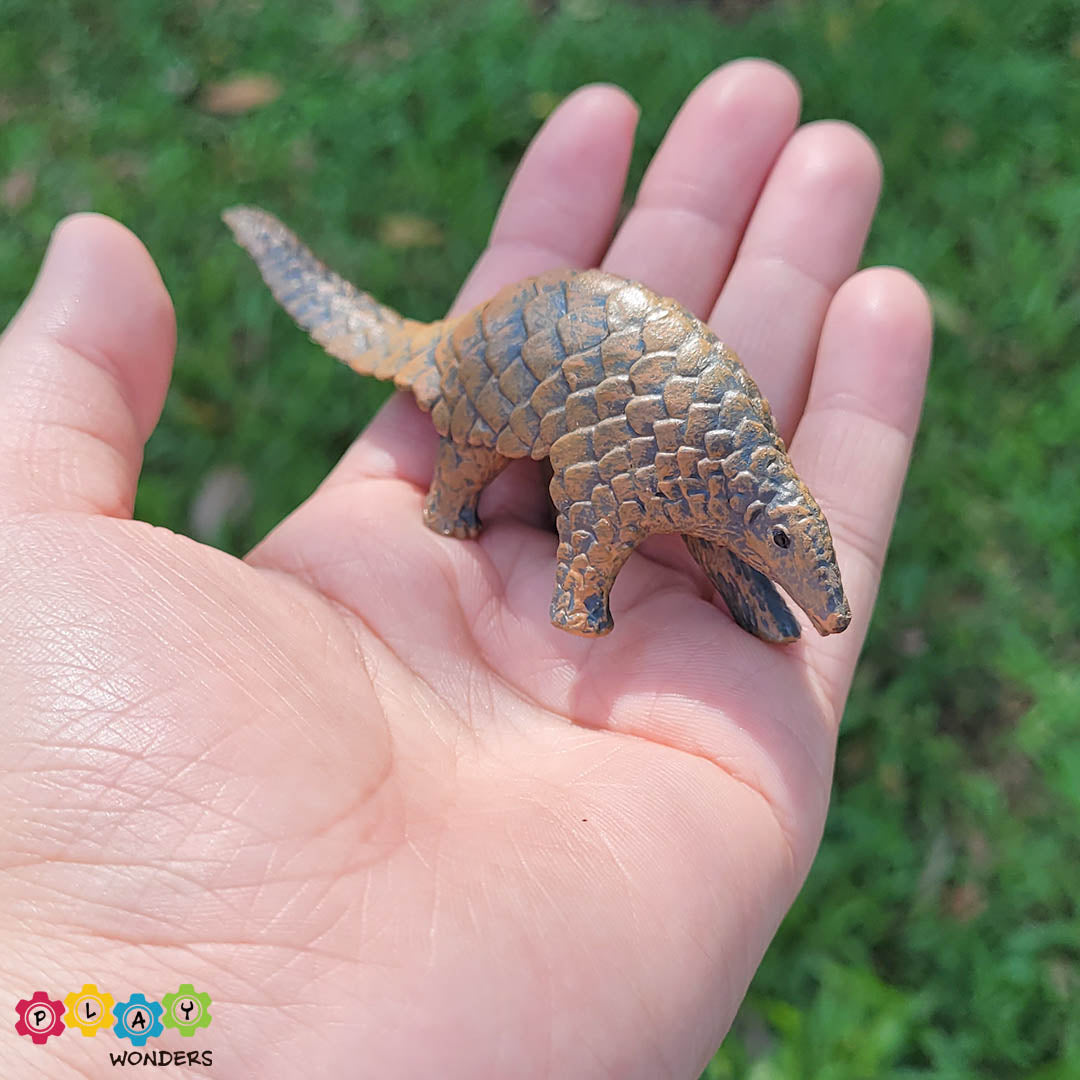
(650, 423)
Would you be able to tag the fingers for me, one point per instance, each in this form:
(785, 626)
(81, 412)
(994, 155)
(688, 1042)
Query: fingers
(558, 211)
(854, 439)
(561, 205)
(806, 236)
(84, 367)
(695, 199)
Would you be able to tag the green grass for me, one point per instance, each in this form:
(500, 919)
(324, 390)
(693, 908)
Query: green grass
(938, 933)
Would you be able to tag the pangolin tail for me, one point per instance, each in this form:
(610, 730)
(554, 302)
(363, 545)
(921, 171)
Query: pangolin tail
(349, 324)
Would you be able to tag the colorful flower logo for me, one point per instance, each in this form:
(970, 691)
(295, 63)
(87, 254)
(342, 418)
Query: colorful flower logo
(40, 1017)
(187, 1010)
(137, 1019)
(89, 1010)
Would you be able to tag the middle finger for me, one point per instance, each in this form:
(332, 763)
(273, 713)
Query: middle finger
(697, 194)
(804, 240)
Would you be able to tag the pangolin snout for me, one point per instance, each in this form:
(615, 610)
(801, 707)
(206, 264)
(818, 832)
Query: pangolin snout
(836, 620)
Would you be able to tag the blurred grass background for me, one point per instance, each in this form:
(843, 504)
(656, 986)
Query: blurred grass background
(938, 934)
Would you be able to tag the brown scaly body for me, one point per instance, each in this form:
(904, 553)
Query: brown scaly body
(651, 424)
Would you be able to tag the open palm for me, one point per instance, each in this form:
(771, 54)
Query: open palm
(356, 786)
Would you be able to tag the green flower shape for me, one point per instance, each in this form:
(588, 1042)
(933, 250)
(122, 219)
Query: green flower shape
(187, 1010)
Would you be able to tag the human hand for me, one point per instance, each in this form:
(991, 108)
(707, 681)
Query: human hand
(355, 785)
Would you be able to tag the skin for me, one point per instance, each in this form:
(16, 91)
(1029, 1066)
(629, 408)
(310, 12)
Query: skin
(355, 785)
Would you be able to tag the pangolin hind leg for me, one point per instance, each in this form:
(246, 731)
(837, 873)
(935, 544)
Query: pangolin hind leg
(461, 473)
(585, 570)
(750, 596)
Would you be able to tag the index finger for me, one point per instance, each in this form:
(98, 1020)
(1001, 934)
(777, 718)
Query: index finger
(854, 440)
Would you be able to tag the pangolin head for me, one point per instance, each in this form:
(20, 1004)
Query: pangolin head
(787, 538)
(767, 516)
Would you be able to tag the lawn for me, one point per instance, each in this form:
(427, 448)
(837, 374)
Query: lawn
(938, 933)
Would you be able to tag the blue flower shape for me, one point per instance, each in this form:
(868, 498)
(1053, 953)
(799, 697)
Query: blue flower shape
(137, 1019)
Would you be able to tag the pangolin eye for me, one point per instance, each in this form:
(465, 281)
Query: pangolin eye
(780, 537)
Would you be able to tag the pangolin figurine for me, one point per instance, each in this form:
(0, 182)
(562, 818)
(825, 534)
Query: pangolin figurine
(650, 423)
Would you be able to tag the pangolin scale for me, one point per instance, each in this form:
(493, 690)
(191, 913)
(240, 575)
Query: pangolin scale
(651, 424)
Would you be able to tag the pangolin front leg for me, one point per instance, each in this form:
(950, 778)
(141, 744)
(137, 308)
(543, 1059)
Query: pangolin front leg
(585, 570)
(461, 473)
(750, 596)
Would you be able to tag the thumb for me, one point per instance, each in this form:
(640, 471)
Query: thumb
(84, 367)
